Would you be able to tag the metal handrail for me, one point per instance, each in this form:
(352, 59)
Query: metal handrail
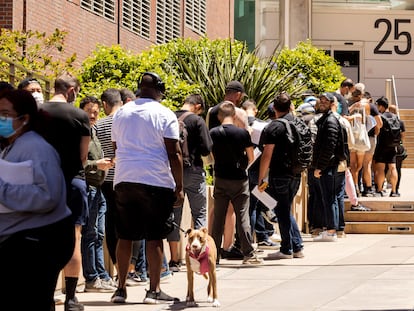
(12, 74)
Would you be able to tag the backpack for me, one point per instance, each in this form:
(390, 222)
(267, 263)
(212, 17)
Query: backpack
(300, 148)
(341, 148)
(391, 130)
(183, 140)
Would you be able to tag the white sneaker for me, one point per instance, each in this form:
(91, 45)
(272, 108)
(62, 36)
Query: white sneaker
(325, 236)
(279, 255)
(252, 260)
(269, 215)
(275, 237)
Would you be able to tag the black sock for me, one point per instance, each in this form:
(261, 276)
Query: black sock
(70, 284)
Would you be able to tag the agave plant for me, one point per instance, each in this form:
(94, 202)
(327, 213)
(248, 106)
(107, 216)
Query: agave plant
(212, 67)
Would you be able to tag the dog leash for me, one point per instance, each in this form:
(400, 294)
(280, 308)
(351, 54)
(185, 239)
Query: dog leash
(179, 228)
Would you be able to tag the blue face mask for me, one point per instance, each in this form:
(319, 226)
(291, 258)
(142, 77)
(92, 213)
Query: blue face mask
(6, 127)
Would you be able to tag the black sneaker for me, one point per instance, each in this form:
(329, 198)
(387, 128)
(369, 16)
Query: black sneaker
(368, 193)
(119, 296)
(152, 297)
(73, 305)
(395, 194)
(360, 208)
(174, 266)
(232, 254)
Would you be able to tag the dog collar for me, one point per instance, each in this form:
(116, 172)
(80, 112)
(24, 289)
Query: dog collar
(199, 263)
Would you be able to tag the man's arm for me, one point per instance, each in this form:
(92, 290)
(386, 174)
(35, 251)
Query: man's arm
(84, 146)
(265, 162)
(176, 164)
(250, 154)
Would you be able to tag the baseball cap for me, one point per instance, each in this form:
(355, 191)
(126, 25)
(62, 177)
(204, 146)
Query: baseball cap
(310, 99)
(328, 96)
(235, 86)
(306, 108)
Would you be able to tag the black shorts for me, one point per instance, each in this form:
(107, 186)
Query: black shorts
(385, 155)
(142, 211)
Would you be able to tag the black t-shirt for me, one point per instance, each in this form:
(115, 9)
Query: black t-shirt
(198, 140)
(229, 150)
(213, 120)
(63, 125)
(275, 133)
(373, 111)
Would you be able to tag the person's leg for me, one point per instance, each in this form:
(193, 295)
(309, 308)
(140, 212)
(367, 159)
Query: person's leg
(221, 205)
(350, 188)
(195, 188)
(229, 228)
(77, 200)
(279, 190)
(393, 176)
(173, 239)
(110, 231)
(89, 239)
(367, 168)
(123, 258)
(398, 165)
(340, 190)
(329, 197)
(99, 248)
(240, 198)
(154, 252)
(297, 242)
(379, 175)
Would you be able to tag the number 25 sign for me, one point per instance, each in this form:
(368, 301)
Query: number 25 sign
(403, 37)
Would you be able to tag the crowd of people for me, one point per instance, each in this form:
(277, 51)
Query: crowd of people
(83, 179)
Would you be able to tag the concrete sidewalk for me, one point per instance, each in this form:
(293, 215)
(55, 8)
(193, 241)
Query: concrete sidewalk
(359, 272)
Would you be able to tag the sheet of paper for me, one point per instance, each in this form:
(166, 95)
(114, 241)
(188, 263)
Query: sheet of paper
(257, 128)
(256, 153)
(17, 173)
(265, 198)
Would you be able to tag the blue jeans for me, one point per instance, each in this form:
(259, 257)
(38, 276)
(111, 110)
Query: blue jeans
(93, 233)
(194, 183)
(283, 189)
(259, 225)
(315, 215)
(328, 187)
(339, 204)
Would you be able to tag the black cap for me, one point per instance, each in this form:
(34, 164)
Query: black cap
(235, 86)
(328, 96)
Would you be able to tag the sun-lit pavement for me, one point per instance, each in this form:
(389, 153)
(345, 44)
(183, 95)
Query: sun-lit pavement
(359, 272)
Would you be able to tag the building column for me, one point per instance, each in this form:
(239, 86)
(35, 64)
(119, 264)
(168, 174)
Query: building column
(295, 21)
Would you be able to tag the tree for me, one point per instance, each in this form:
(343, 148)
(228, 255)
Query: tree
(34, 51)
(319, 71)
(187, 66)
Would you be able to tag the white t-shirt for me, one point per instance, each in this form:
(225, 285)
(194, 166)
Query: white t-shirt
(139, 129)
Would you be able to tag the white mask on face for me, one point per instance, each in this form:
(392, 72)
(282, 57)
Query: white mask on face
(38, 96)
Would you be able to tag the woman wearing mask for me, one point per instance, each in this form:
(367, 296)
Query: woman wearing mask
(35, 224)
(33, 86)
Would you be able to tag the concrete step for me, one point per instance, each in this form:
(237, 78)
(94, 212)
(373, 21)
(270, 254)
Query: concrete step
(380, 216)
(380, 227)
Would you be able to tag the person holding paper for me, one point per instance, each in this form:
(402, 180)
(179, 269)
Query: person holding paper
(283, 184)
(34, 220)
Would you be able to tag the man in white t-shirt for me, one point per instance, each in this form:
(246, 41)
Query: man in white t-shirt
(147, 182)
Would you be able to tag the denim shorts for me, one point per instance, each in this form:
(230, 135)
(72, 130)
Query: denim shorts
(142, 211)
(77, 201)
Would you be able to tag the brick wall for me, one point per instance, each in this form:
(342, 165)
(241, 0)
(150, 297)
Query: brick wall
(86, 30)
(6, 13)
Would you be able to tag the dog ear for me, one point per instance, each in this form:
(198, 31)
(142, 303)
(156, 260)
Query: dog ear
(204, 229)
(188, 231)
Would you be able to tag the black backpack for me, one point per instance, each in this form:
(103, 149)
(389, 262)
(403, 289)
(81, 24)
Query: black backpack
(341, 148)
(184, 139)
(300, 147)
(391, 130)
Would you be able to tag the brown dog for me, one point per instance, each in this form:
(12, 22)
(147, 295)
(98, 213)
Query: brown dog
(200, 257)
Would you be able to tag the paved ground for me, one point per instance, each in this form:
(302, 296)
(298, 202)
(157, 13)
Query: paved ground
(359, 272)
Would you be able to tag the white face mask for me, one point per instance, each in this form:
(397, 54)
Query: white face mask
(38, 96)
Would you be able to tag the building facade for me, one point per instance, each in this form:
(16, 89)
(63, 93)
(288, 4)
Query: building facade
(133, 24)
(371, 40)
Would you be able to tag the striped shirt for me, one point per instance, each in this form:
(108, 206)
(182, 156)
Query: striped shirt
(104, 135)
